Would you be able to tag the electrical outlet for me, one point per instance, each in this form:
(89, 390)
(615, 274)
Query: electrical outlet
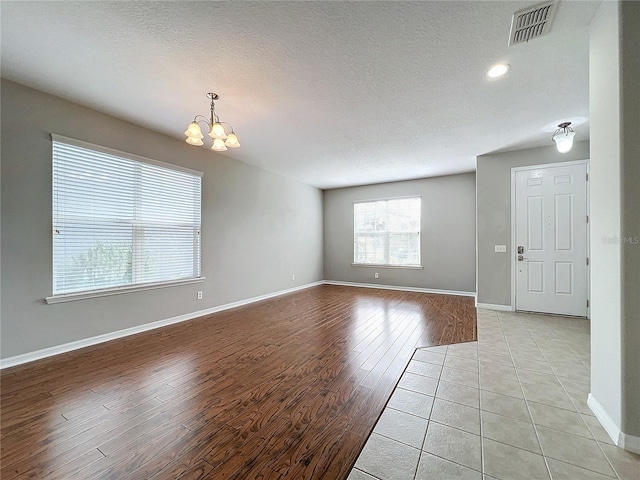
(199, 295)
(293, 277)
(375, 275)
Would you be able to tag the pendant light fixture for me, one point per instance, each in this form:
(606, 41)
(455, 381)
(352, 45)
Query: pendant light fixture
(221, 139)
(563, 137)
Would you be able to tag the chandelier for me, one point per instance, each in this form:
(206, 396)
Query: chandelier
(563, 137)
(217, 131)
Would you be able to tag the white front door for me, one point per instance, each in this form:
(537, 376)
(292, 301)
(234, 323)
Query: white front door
(550, 254)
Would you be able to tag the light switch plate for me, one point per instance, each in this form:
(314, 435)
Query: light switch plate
(501, 248)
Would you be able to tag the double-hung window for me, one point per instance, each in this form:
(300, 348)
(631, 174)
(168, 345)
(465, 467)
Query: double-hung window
(121, 222)
(387, 232)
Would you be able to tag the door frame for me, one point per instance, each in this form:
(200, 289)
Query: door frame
(514, 170)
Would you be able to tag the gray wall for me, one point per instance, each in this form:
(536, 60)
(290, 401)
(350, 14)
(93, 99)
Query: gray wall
(447, 239)
(258, 228)
(630, 119)
(615, 163)
(494, 213)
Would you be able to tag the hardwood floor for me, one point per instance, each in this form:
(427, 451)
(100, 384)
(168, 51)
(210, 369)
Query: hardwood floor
(286, 388)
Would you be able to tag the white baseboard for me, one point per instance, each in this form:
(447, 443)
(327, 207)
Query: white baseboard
(493, 306)
(87, 342)
(405, 289)
(603, 417)
(623, 440)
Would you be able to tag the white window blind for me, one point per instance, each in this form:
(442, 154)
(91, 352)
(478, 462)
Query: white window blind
(119, 220)
(387, 232)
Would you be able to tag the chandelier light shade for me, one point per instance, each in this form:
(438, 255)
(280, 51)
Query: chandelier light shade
(232, 141)
(217, 131)
(194, 134)
(222, 138)
(563, 137)
(218, 145)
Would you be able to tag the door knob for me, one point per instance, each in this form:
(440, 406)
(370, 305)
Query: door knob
(520, 258)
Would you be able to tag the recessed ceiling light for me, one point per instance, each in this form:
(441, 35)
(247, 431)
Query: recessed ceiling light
(498, 70)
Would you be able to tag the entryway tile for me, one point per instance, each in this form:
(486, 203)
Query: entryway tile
(540, 379)
(564, 471)
(510, 431)
(547, 396)
(559, 419)
(455, 445)
(456, 415)
(431, 467)
(511, 406)
(580, 402)
(425, 369)
(506, 372)
(489, 357)
(458, 393)
(461, 363)
(387, 459)
(575, 385)
(435, 349)
(626, 464)
(510, 463)
(418, 383)
(577, 451)
(465, 350)
(411, 402)
(597, 430)
(403, 427)
(534, 365)
(504, 405)
(501, 386)
(359, 475)
(429, 357)
(462, 377)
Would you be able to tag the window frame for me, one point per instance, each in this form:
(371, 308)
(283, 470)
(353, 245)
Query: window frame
(387, 265)
(128, 288)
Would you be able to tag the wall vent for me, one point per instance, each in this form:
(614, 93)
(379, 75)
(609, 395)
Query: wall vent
(532, 22)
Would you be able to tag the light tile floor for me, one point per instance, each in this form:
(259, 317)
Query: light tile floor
(510, 406)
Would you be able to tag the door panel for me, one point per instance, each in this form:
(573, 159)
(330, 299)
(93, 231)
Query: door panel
(535, 233)
(551, 225)
(536, 277)
(564, 225)
(564, 278)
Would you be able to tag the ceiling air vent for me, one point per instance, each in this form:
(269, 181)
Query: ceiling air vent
(531, 22)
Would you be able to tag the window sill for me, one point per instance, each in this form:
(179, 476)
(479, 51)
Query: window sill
(381, 265)
(70, 297)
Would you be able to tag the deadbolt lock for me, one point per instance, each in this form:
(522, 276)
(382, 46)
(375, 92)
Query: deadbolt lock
(520, 249)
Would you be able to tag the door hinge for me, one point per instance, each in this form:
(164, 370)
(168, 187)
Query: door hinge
(587, 260)
(587, 176)
(587, 218)
(587, 303)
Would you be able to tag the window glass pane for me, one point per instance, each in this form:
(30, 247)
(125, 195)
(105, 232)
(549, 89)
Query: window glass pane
(119, 221)
(387, 232)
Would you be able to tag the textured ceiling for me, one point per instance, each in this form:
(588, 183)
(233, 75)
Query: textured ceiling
(330, 93)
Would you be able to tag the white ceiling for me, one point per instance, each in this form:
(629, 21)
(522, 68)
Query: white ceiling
(330, 93)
